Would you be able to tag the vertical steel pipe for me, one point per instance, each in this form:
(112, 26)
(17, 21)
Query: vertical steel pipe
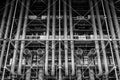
(115, 19)
(17, 37)
(23, 37)
(79, 74)
(101, 36)
(47, 42)
(3, 19)
(53, 42)
(6, 32)
(40, 77)
(72, 42)
(65, 35)
(95, 34)
(111, 48)
(28, 72)
(91, 74)
(110, 23)
(60, 60)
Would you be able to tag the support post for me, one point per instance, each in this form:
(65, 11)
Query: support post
(47, 42)
(102, 42)
(6, 32)
(23, 37)
(3, 19)
(110, 24)
(17, 37)
(96, 42)
(65, 35)
(72, 42)
(53, 42)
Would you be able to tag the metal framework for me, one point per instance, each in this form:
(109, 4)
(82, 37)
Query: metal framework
(60, 40)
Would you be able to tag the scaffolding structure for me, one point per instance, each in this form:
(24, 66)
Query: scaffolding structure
(60, 40)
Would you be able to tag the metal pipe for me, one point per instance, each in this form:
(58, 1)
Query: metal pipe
(72, 42)
(6, 33)
(65, 42)
(47, 42)
(28, 72)
(53, 42)
(3, 19)
(60, 60)
(102, 42)
(111, 48)
(8, 48)
(17, 37)
(60, 40)
(23, 37)
(115, 19)
(79, 75)
(96, 42)
(110, 23)
(91, 73)
(40, 77)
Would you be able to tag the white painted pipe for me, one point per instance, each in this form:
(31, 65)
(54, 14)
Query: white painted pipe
(72, 42)
(65, 34)
(6, 32)
(17, 37)
(23, 37)
(102, 42)
(47, 42)
(96, 42)
(53, 42)
(4, 18)
(110, 24)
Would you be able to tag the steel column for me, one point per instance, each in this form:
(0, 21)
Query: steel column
(40, 77)
(23, 37)
(79, 74)
(60, 60)
(28, 72)
(65, 35)
(53, 42)
(95, 34)
(102, 42)
(110, 23)
(4, 18)
(17, 37)
(72, 42)
(115, 19)
(47, 42)
(91, 74)
(6, 32)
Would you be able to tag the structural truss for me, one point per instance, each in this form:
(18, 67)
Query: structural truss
(60, 40)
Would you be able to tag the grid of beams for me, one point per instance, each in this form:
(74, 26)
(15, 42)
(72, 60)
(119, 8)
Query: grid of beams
(60, 40)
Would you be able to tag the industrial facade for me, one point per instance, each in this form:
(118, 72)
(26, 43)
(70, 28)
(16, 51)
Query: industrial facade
(60, 40)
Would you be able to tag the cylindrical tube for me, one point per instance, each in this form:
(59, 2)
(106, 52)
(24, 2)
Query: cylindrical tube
(96, 42)
(72, 42)
(17, 37)
(60, 56)
(40, 74)
(110, 23)
(79, 74)
(115, 19)
(47, 42)
(53, 42)
(65, 34)
(6, 32)
(4, 18)
(23, 37)
(91, 74)
(101, 35)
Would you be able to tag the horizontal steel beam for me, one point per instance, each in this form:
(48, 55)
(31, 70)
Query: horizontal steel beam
(59, 39)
